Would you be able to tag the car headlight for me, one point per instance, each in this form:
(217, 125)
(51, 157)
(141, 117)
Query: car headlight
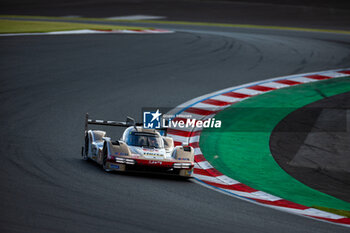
(120, 160)
(130, 161)
(182, 165)
(126, 161)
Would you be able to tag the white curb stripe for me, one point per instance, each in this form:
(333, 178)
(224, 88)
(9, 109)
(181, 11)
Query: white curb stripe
(255, 195)
(275, 85)
(226, 99)
(304, 80)
(335, 74)
(197, 151)
(205, 165)
(209, 107)
(208, 178)
(247, 91)
(227, 180)
(184, 139)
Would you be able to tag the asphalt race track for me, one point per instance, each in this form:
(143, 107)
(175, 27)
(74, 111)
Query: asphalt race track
(317, 135)
(48, 83)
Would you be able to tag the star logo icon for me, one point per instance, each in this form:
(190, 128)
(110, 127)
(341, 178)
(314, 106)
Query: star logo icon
(156, 115)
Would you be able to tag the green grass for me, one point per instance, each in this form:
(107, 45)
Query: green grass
(183, 23)
(240, 148)
(334, 211)
(24, 26)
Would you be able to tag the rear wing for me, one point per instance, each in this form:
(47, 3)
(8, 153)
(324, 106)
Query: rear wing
(129, 122)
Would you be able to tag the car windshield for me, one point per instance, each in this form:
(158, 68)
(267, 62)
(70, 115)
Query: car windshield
(144, 140)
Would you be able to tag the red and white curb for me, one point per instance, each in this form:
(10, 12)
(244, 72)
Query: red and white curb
(91, 31)
(207, 106)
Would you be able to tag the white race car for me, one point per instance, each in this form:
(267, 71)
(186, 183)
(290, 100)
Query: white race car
(138, 149)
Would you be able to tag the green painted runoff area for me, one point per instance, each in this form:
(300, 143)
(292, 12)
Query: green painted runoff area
(240, 148)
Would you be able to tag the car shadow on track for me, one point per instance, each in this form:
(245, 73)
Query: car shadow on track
(132, 173)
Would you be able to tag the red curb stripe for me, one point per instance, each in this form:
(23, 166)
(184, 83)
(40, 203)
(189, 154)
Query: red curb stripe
(216, 102)
(184, 133)
(236, 187)
(194, 144)
(200, 171)
(282, 203)
(177, 143)
(318, 77)
(261, 88)
(344, 71)
(199, 158)
(236, 95)
(288, 82)
(214, 172)
(200, 111)
(207, 172)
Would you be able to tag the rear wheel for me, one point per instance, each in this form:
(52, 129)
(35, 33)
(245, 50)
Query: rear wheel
(104, 159)
(84, 150)
(83, 154)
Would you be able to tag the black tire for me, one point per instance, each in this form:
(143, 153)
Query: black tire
(83, 154)
(84, 150)
(104, 159)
